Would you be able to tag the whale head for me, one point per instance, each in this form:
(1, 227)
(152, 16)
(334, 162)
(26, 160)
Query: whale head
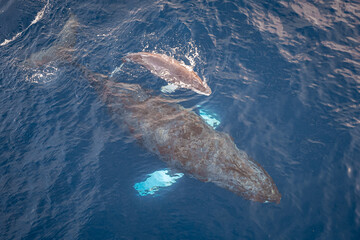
(236, 171)
(249, 180)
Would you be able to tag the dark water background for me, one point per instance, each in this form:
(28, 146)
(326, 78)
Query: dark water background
(285, 81)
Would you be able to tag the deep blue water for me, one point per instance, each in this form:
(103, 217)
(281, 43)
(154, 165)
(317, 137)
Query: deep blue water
(286, 85)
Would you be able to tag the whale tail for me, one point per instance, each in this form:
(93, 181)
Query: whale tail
(61, 49)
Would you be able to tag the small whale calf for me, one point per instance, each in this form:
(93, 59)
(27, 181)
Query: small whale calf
(171, 70)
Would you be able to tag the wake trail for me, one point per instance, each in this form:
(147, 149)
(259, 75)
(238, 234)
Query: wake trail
(38, 17)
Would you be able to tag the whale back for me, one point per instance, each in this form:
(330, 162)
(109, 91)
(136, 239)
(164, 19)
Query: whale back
(183, 140)
(171, 70)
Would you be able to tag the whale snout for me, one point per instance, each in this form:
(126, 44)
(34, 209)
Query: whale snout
(203, 89)
(207, 91)
(270, 195)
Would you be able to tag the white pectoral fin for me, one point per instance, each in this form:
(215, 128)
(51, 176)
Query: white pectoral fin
(170, 88)
(210, 118)
(156, 181)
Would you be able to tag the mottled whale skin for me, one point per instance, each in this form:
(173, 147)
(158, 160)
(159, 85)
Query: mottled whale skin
(178, 135)
(171, 70)
(183, 140)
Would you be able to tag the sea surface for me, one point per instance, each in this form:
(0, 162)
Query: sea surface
(285, 77)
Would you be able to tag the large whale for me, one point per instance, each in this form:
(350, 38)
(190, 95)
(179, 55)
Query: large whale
(171, 70)
(181, 138)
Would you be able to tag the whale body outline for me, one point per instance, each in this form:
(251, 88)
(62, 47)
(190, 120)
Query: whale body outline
(170, 70)
(177, 135)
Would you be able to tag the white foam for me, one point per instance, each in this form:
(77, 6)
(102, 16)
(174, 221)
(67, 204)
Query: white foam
(192, 54)
(49, 74)
(38, 17)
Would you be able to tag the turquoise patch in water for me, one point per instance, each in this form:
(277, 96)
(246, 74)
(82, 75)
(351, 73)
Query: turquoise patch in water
(209, 118)
(155, 181)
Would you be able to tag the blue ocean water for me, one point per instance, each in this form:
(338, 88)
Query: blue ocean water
(286, 87)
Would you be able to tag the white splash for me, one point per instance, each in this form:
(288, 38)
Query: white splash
(38, 17)
(192, 54)
(47, 75)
